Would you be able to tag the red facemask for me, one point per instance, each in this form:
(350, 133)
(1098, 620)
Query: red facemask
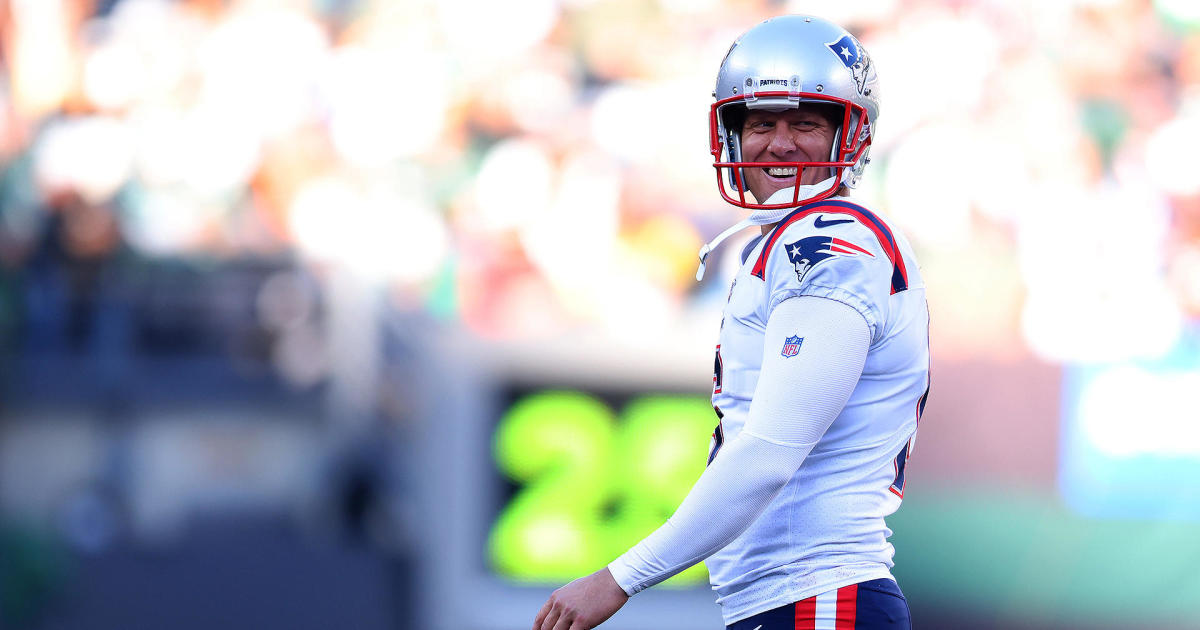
(848, 149)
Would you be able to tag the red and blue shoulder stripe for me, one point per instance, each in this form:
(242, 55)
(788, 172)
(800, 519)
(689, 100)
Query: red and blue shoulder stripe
(864, 216)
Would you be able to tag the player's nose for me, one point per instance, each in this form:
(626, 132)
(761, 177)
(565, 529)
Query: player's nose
(782, 143)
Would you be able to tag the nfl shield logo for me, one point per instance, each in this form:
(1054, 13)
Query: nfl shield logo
(791, 346)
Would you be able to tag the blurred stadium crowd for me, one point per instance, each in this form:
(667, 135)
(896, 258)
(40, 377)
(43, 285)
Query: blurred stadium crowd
(252, 180)
(530, 169)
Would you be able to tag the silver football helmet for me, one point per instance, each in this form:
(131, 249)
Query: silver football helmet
(777, 65)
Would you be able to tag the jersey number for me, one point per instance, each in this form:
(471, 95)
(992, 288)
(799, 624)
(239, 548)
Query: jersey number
(897, 486)
(718, 436)
(718, 368)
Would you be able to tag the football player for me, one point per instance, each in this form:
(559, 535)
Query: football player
(822, 366)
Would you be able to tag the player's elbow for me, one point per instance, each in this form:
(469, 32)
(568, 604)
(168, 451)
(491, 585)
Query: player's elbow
(771, 462)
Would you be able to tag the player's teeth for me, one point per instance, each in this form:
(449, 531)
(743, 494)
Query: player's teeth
(781, 172)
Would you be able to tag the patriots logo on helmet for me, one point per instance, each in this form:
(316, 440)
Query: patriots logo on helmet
(809, 251)
(855, 58)
(846, 49)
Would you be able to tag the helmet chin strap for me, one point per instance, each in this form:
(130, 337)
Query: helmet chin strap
(762, 217)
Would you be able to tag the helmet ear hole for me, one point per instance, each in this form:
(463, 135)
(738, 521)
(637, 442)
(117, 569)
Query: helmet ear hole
(733, 144)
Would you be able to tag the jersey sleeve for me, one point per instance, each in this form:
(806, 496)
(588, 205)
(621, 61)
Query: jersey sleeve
(837, 257)
(799, 394)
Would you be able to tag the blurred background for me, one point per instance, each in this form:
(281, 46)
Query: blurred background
(381, 314)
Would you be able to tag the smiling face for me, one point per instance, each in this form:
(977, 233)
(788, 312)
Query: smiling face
(794, 135)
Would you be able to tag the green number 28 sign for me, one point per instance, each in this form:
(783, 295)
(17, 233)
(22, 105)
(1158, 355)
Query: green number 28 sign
(593, 483)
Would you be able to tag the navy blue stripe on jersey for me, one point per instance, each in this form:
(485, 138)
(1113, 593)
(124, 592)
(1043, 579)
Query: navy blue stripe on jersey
(750, 247)
(869, 220)
(870, 216)
(718, 436)
(901, 460)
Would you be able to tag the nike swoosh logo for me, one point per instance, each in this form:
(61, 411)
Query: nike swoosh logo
(821, 223)
(759, 627)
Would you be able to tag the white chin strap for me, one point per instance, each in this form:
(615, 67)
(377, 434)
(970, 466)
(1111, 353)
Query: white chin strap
(763, 217)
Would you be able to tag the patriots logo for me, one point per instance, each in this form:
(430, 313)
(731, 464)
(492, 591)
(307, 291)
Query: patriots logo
(855, 59)
(791, 346)
(807, 252)
(846, 49)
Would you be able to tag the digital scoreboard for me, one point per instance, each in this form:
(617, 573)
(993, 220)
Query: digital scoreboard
(593, 479)
(538, 471)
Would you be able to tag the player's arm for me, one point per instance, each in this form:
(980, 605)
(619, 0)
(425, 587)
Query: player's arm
(796, 400)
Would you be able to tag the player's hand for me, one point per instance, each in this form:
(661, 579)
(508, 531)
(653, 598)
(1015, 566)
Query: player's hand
(582, 604)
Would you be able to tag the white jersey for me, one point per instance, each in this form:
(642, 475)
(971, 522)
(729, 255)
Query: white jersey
(826, 528)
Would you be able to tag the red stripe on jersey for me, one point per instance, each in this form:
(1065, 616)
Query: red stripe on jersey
(847, 607)
(806, 614)
(842, 250)
(863, 216)
(837, 242)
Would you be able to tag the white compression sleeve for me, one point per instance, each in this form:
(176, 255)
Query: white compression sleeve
(798, 397)
(795, 401)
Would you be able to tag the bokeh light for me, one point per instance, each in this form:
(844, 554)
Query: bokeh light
(207, 204)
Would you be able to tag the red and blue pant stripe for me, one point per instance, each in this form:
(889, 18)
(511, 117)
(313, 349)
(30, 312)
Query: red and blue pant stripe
(872, 605)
